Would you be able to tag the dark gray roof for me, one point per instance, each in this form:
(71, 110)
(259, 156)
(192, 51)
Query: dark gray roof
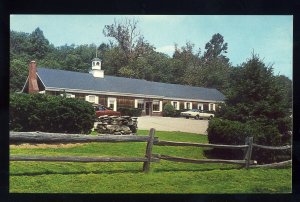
(85, 81)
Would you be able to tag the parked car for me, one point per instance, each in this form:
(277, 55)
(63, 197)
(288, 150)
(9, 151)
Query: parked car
(102, 110)
(196, 114)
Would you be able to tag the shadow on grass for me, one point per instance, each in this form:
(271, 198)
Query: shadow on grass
(227, 154)
(120, 171)
(196, 170)
(76, 172)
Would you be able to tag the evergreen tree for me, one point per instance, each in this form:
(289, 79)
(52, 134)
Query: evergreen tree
(256, 96)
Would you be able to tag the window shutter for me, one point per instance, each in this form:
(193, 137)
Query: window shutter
(96, 99)
(135, 103)
(160, 106)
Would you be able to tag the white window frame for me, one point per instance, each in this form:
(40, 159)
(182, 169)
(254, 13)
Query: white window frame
(114, 100)
(68, 95)
(178, 103)
(202, 106)
(88, 98)
(185, 105)
(137, 101)
(214, 107)
(159, 105)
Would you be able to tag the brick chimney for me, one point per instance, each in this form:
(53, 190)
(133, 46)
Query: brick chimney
(32, 80)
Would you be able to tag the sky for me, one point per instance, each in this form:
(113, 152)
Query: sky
(269, 36)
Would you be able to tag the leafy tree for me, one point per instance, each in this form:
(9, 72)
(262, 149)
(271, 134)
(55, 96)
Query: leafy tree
(184, 73)
(114, 60)
(214, 68)
(215, 74)
(19, 42)
(215, 48)
(39, 45)
(128, 37)
(127, 72)
(160, 66)
(18, 74)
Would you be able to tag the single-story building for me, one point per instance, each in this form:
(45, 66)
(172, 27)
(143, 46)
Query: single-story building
(115, 92)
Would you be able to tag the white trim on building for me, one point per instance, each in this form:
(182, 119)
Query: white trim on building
(212, 107)
(92, 99)
(159, 107)
(112, 101)
(175, 104)
(139, 103)
(124, 94)
(200, 106)
(188, 105)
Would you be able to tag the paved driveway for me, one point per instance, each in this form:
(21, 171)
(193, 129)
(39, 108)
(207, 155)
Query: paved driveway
(173, 124)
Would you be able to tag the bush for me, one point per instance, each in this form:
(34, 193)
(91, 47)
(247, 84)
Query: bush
(177, 112)
(38, 112)
(234, 133)
(126, 111)
(168, 110)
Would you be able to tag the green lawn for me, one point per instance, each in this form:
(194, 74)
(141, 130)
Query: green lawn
(164, 177)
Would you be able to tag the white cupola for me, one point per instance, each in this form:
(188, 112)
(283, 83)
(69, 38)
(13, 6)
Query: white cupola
(96, 68)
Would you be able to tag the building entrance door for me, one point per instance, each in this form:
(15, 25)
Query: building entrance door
(149, 108)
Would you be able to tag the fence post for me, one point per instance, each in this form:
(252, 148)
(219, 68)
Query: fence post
(148, 154)
(246, 149)
(249, 142)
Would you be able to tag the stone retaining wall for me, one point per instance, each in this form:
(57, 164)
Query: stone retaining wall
(124, 125)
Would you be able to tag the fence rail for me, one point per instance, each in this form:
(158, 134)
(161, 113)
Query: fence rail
(81, 159)
(271, 147)
(41, 137)
(273, 165)
(50, 138)
(199, 161)
(171, 143)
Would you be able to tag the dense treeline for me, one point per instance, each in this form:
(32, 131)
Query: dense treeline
(129, 54)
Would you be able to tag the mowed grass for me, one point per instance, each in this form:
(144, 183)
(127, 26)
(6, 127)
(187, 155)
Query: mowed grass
(164, 177)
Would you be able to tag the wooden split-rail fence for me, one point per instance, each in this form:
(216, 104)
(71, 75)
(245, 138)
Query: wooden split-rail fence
(54, 138)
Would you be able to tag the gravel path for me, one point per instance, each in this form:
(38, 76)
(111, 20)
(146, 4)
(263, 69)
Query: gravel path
(173, 124)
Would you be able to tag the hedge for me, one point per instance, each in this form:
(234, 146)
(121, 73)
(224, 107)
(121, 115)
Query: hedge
(234, 133)
(39, 112)
(126, 111)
